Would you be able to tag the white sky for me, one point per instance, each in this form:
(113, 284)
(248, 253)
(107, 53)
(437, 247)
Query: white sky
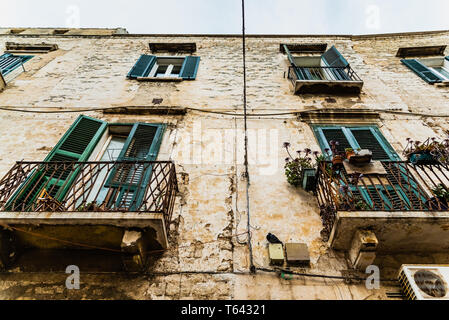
(224, 16)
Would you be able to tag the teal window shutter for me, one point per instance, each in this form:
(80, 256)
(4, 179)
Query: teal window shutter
(142, 67)
(447, 58)
(9, 62)
(76, 145)
(422, 71)
(130, 182)
(190, 68)
(333, 58)
(368, 137)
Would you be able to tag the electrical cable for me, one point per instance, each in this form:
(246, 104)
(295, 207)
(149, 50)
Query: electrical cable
(248, 183)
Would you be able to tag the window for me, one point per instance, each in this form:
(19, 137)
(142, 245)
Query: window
(396, 188)
(9, 62)
(368, 137)
(156, 68)
(89, 139)
(431, 70)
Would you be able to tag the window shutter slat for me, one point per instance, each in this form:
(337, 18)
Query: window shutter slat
(421, 70)
(142, 67)
(79, 141)
(9, 62)
(333, 58)
(190, 68)
(76, 145)
(367, 140)
(142, 144)
(337, 134)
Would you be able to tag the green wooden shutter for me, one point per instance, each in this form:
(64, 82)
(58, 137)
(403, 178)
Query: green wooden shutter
(76, 145)
(142, 67)
(421, 70)
(333, 58)
(370, 138)
(190, 68)
(327, 134)
(130, 181)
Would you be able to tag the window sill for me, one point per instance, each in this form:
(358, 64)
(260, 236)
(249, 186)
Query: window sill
(158, 79)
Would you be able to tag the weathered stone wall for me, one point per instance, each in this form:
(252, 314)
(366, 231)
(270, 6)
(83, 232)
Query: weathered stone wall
(208, 151)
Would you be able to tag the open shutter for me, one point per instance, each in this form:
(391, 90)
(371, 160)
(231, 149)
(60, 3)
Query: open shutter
(75, 146)
(447, 58)
(142, 67)
(421, 70)
(333, 58)
(8, 62)
(190, 68)
(130, 181)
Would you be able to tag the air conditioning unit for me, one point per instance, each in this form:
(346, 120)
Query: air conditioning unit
(425, 282)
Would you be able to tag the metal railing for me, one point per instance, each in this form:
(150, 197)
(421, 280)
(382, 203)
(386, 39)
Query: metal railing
(124, 186)
(402, 187)
(322, 73)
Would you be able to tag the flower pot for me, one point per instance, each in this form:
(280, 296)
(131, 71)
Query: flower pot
(361, 158)
(350, 154)
(422, 157)
(336, 160)
(308, 178)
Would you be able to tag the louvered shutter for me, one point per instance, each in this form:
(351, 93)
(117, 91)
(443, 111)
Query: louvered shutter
(333, 58)
(447, 58)
(421, 70)
(142, 67)
(367, 140)
(190, 68)
(9, 62)
(75, 146)
(336, 134)
(130, 180)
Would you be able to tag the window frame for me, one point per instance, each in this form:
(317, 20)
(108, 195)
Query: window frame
(346, 129)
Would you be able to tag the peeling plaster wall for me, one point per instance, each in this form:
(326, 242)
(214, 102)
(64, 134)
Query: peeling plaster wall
(208, 151)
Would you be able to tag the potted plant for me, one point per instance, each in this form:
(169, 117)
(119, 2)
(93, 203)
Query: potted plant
(428, 152)
(337, 156)
(361, 157)
(441, 199)
(349, 153)
(301, 170)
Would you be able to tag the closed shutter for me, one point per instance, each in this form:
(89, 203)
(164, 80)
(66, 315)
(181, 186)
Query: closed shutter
(142, 67)
(75, 146)
(130, 180)
(333, 58)
(421, 70)
(9, 62)
(336, 134)
(190, 68)
(366, 140)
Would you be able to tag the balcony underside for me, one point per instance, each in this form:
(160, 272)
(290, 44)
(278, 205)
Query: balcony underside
(397, 232)
(98, 237)
(327, 86)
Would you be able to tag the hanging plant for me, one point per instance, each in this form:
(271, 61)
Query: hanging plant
(431, 151)
(301, 170)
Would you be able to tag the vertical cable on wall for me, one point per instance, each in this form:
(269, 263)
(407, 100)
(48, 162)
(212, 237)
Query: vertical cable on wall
(250, 248)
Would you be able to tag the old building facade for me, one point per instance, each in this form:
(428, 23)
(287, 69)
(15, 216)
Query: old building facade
(188, 225)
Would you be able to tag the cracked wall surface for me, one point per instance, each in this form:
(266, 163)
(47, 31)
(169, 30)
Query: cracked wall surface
(207, 232)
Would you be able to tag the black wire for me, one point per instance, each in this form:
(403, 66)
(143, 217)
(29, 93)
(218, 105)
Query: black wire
(250, 248)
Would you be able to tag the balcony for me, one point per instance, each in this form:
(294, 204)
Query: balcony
(335, 80)
(397, 202)
(88, 205)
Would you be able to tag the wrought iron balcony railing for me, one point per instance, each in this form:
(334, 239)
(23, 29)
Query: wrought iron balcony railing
(402, 187)
(139, 186)
(322, 73)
